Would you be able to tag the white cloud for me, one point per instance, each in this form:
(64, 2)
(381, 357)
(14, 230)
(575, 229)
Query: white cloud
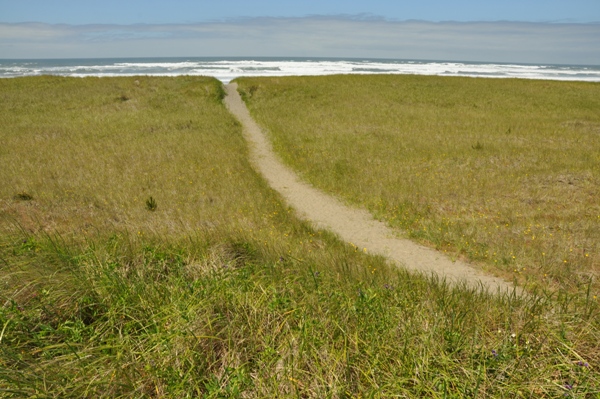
(316, 36)
(29, 32)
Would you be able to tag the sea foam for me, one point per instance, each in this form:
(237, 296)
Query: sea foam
(229, 69)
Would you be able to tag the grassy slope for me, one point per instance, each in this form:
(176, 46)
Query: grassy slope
(221, 291)
(503, 172)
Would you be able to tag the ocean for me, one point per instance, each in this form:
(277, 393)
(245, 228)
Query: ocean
(226, 69)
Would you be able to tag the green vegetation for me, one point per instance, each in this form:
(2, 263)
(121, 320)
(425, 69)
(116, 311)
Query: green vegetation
(503, 172)
(141, 256)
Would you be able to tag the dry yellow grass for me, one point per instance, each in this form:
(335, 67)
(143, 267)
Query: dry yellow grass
(503, 172)
(91, 152)
(220, 291)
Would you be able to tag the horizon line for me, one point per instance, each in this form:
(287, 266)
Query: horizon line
(304, 58)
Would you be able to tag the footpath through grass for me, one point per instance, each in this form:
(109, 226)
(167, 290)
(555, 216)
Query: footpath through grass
(503, 172)
(141, 256)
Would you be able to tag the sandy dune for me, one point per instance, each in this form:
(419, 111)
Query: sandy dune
(355, 226)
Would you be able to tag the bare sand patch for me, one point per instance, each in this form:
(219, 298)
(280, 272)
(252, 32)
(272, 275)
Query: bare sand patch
(353, 225)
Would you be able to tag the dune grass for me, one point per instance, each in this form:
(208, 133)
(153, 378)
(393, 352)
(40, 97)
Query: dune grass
(503, 172)
(141, 256)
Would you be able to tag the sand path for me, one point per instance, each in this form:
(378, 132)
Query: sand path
(353, 225)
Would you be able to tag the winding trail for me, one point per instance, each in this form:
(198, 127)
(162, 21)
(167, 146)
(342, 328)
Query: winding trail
(353, 225)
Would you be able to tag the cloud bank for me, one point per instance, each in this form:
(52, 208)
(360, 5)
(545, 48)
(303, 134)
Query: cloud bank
(314, 36)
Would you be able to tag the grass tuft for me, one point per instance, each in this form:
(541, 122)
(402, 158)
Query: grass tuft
(23, 197)
(151, 204)
(478, 146)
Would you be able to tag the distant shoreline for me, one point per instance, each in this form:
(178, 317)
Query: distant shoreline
(228, 68)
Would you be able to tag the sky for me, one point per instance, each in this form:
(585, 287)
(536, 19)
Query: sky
(524, 31)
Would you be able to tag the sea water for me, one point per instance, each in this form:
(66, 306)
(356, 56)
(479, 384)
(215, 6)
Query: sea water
(226, 69)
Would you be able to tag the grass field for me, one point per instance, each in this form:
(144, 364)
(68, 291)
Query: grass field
(503, 172)
(141, 256)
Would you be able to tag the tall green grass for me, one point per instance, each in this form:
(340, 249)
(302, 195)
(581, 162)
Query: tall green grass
(503, 172)
(214, 288)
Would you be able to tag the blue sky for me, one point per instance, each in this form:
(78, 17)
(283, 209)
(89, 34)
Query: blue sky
(192, 11)
(551, 31)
